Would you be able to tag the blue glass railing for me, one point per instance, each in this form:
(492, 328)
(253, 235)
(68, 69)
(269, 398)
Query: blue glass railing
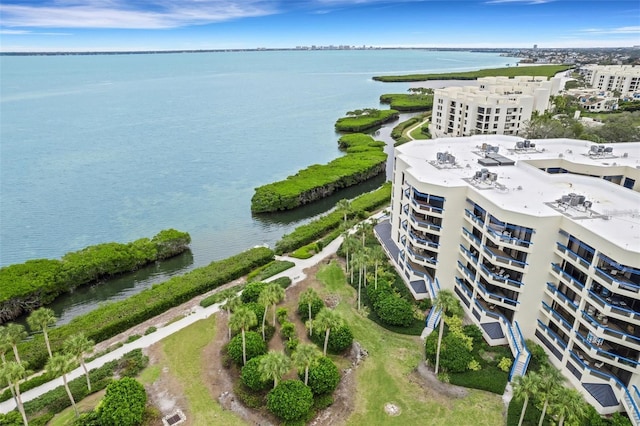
(573, 255)
(498, 278)
(558, 269)
(625, 285)
(608, 330)
(431, 260)
(508, 239)
(419, 273)
(552, 334)
(606, 354)
(563, 296)
(424, 223)
(504, 259)
(468, 253)
(474, 218)
(557, 316)
(423, 241)
(493, 297)
(470, 235)
(466, 270)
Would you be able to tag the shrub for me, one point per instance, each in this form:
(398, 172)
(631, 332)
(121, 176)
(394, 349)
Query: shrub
(132, 338)
(252, 291)
(305, 252)
(394, 310)
(303, 309)
(489, 379)
(340, 339)
(320, 402)
(290, 400)
(257, 309)
(474, 332)
(505, 364)
(291, 345)
(454, 353)
(250, 398)
(282, 315)
(150, 330)
(323, 377)
(251, 376)
(269, 270)
(474, 365)
(123, 403)
(132, 363)
(288, 330)
(254, 344)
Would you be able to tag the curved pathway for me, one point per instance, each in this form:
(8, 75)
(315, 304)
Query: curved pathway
(197, 312)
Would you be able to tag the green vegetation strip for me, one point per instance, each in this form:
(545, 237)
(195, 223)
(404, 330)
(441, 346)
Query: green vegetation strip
(37, 282)
(542, 70)
(108, 320)
(316, 229)
(408, 102)
(367, 120)
(363, 161)
(385, 376)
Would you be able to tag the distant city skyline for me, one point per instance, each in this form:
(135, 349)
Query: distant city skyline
(118, 25)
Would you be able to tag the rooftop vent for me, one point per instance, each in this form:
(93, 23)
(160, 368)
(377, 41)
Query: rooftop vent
(574, 200)
(445, 158)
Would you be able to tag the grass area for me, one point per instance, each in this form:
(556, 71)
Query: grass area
(183, 351)
(417, 132)
(407, 102)
(150, 374)
(542, 70)
(384, 376)
(67, 416)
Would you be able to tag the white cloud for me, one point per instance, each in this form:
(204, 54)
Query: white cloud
(153, 14)
(618, 30)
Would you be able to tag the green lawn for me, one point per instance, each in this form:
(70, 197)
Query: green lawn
(67, 416)
(384, 377)
(183, 351)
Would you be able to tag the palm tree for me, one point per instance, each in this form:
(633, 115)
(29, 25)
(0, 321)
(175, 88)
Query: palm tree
(359, 259)
(364, 228)
(78, 345)
(446, 302)
(344, 206)
(568, 404)
(60, 365)
(277, 295)
(4, 344)
(274, 365)
(14, 334)
(41, 319)
(524, 387)
(308, 296)
(327, 320)
(378, 256)
(13, 372)
(304, 357)
(265, 299)
(242, 319)
(233, 301)
(550, 379)
(349, 243)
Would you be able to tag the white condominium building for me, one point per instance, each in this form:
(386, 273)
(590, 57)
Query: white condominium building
(622, 78)
(497, 105)
(539, 240)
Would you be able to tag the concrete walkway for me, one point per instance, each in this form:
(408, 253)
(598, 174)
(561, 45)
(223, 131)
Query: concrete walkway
(197, 313)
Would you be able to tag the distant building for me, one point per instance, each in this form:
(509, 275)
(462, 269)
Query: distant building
(622, 78)
(498, 105)
(538, 240)
(594, 100)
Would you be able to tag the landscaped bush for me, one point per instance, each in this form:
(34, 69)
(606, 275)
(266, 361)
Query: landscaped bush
(305, 252)
(323, 377)
(303, 308)
(254, 344)
(282, 314)
(108, 320)
(221, 296)
(394, 310)
(251, 376)
(269, 270)
(123, 403)
(290, 400)
(454, 353)
(27, 285)
(340, 339)
(252, 291)
(313, 230)
(288, 330)
(490, 379)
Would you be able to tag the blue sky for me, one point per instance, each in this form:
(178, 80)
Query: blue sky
(77, 25)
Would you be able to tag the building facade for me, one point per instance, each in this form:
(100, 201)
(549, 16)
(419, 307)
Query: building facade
(539, 240)
(622, 78)
(497, 105)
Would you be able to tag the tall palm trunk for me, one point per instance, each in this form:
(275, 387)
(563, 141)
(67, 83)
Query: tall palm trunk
(310, 321)
(274, 314)
(544, 411)
(306, 374)
(16, 354)
(326, 341)
(19, 403)
(73, 402)
(46, 340)
(86, 372)
(264, 319)
(244, 349)
(229, 321)
(524, 410)
(440, 333)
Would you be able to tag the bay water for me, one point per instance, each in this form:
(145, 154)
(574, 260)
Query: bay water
(99, 148)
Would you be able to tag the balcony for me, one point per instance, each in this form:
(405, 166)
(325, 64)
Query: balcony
(575, 284)
(599, 349)
(469, 255)
(613, 306)
(465, 271)
(496, 297)
(472, 238)
(617, 280)
(504, 238)
(601, 326)
(499, 277)
(559, 319)
(421, 256)
(567, 254)
(476, 220)
(424, 207)
(560, 297)
(422, 241)
(499, 256)
(424, 223)
(420, 271)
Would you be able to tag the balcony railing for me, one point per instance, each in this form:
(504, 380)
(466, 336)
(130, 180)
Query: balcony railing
(469, 255)
(467, 272)
(422, 274)
(606, 354)
(423, 241)
(567, 302)
(506, 259)
(472, 237)
(420, 258)
(423, 206)
(476, 219)
(553, 335)
(567, 277)
(500, 279)
(494, 297)
(566, 325)
(500, 238)
(601, 330)
(617, 282)
(573, 255)
(424, 223)
(609, 308)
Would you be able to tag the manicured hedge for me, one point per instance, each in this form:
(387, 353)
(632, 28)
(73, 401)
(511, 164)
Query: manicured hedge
(408, 102)
(113, 318)
(365, 122)
(27, 285)
(542, 70)
(269, 270)
(318, 181)
(325, 224)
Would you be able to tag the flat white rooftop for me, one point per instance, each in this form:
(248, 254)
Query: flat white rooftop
(614, 211)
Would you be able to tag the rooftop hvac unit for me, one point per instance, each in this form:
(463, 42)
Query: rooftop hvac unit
(565, 199)
(593, 149)
(478, 175)
(440, 157)
(587, 204)
(484, 173)
(608, 149)
(493, 177)
(519, 145)
(625, 155)
(450, 159)
(532, 145)
(494, 149)
(527, 143)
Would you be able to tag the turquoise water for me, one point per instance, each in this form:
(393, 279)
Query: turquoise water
(117, 147)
